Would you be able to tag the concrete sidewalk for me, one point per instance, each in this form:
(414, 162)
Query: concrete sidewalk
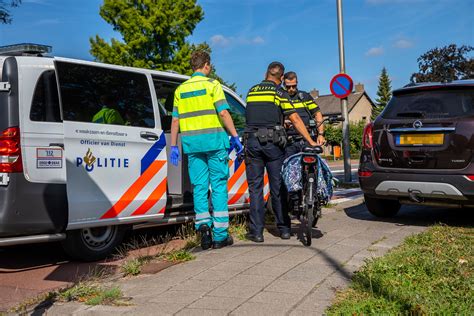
(274, 278)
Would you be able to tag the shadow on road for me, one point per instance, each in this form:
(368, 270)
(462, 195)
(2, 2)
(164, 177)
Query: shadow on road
(418, 215)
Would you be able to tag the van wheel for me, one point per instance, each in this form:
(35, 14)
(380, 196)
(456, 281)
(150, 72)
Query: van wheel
(91, 244)
(382, 208)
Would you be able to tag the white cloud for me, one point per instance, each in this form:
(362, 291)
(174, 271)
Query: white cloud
(224, 41)
(403, 43)
(219, 40)
(375, 51)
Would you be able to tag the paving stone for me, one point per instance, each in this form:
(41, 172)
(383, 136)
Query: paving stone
(231, 290)
(217, 275)
(169, 308)
(201, 312)
(290, 286)
(266, 270)
(198, 285)
(232, 266)
(106, 310)
(66, 309)
(253, 309)
(185, 297)
(214, 302)
(276, 298)
(251, 280)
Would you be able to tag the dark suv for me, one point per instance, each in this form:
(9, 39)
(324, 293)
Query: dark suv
(420, 150)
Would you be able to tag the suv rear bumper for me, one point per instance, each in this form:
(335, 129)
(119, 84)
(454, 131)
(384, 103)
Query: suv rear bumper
(455, 189)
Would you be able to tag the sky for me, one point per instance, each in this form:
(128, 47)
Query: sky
(246, 35)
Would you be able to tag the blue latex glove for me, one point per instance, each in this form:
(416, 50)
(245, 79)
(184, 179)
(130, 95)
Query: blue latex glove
(174, 156)
(236, 144)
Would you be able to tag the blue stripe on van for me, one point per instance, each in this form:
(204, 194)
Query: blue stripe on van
(191, 94)
(153, 153)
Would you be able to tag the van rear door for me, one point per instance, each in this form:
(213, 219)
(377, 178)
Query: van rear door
(114, 146)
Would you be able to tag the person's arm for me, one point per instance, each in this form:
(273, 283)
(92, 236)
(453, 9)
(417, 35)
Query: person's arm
(318, 117)
(228, 122)
(301, 128)
(174, 131)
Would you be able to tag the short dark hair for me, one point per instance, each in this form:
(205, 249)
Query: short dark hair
(199, 58)
(275, 69)
(290, 75)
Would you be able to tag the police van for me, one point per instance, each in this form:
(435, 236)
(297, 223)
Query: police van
(67, 176)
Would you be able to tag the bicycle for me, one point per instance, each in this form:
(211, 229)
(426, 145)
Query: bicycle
(308, 204)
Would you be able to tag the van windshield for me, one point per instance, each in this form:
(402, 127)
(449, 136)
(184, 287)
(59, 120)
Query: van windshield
(431, 104)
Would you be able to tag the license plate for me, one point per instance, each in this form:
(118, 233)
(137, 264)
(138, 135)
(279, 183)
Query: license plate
(419, 139)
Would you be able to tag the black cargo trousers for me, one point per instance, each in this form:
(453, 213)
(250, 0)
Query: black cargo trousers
(257, 158)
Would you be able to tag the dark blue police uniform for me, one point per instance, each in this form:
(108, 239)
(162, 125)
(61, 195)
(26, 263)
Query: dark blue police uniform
(264, 137)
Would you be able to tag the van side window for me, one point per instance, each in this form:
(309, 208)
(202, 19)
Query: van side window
(237, 112)
(165, 95)
(104, 96)
(45, 104)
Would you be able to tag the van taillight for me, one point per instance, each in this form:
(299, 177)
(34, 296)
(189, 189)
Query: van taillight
(10, 151)
(367, 141)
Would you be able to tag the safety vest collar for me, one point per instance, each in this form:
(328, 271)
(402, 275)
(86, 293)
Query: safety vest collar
(269, 82)
(197, 73)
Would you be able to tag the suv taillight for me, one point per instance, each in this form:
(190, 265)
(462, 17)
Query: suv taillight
(367, 142)
(10, 151)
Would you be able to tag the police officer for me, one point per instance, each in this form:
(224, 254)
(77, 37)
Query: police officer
(307, 109)
(265, 141)
(108, 114)
(200, 112)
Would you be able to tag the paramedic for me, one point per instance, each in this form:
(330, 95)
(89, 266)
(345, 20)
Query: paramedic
(108, 114)
(200, 112)
(265, 140)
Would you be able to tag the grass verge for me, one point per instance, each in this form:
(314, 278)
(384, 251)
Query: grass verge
(430, 273)
(91, 293)
(238, 227)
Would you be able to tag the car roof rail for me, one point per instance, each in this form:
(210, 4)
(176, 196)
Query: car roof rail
(25, 49)
(411, 84)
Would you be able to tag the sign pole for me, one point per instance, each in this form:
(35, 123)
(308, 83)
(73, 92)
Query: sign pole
(345, 125)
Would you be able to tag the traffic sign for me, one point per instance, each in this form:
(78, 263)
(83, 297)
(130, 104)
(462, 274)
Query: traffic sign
(341, 86)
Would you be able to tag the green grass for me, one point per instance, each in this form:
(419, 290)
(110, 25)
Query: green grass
(179, 256)
(238, 227)
(92, 294)
(134, 266)
(430, 273)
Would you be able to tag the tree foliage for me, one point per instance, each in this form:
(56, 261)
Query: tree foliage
(333, 135)
(384, 94)
(153, 33)
(5, 15)
(446, 63)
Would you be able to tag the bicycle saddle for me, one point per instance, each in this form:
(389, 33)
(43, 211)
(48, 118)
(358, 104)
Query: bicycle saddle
(313, 150)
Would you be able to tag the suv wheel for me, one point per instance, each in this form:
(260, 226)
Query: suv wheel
(382, 208)
(91, 244)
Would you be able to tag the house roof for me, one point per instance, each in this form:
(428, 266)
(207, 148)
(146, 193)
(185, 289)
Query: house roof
(330, 105)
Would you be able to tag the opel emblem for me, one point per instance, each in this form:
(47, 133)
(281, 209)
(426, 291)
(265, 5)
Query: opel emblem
(417, 124)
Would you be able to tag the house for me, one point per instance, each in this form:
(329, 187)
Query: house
(359, 104)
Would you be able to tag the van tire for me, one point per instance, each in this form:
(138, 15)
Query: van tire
(381, 207)
(92, 244)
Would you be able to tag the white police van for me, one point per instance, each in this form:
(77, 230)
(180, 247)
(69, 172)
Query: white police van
(63, 177)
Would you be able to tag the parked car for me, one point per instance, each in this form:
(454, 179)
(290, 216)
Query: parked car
(420, 149)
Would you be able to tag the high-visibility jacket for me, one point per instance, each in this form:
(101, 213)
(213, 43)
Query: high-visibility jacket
(305, 106)
(197, 103)
(108, 116)
(266, 105)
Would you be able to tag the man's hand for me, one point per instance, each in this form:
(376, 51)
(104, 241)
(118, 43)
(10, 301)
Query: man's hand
(321, 140)
(174, 155)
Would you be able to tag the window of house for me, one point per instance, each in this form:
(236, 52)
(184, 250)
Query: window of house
(45, 104)
(104, 96)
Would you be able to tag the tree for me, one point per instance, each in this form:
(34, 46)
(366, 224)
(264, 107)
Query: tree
(384, 94)
(5, 16)
(445, 63)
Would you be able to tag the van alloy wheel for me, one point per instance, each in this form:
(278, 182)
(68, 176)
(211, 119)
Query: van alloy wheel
(98, 238)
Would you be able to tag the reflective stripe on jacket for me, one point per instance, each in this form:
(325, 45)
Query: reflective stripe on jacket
(197, 103)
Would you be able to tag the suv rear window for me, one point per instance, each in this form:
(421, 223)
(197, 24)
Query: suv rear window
(431, 104)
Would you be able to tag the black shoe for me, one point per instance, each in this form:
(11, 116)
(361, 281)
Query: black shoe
(285, 235)
(254, 238)
(220, 244)
(206, 238)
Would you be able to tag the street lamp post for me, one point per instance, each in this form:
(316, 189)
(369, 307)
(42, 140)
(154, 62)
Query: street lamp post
(344, 111)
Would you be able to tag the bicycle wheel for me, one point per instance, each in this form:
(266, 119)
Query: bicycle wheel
(308, 213)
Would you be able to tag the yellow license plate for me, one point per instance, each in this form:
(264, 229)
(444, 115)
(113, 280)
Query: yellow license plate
(420, 139)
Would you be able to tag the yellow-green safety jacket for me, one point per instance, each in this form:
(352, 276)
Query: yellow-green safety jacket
(197, 103)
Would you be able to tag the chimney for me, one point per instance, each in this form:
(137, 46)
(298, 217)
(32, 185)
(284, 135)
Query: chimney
(314, 93)
(359, 88)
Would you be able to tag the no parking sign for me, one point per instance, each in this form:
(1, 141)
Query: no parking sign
(341, 86)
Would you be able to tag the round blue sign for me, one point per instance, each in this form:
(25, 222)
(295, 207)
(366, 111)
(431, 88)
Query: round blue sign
(341, 86)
